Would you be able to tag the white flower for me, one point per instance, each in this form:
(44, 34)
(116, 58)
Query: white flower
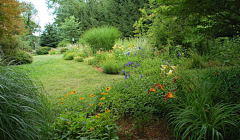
(164, 67)
(174, 67)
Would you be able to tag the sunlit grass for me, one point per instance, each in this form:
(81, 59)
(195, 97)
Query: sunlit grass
(60, 77)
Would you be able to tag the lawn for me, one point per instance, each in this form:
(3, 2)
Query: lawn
(59, 76)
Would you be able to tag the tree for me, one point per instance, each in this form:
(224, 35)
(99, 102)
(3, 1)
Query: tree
(49, 37)
(70, 29)
(10, 18)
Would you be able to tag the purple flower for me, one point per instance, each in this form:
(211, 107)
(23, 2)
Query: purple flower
(139, 48)
(153, 49)
(168, 61)
(133, 63)
(126, 76)
(135, 66)
(138, 65)
(128, 53)
(141, 76)
(123, 71)
(129, 63)
(127, 86)
(178, 55)
(162, 60)
(131, 84)
(152, 57)
(124, 65)
(135, 54)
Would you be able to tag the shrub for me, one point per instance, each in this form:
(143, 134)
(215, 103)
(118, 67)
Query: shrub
(43, 50)
(63, 43)
(78, 59)
(89, 60)
(23, 57)
(69, 55)
(23, 106)
(101, 37)
(63, 49)
(111, 67)
(52, 51)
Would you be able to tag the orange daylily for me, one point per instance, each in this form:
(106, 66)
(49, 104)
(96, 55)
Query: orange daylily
(161, 86)
(169, 95)
(152, 89)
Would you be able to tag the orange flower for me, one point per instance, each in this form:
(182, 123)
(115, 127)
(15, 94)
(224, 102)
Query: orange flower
(98, 115)
(107, 111)
(81, 98)
(61, 99)
(69, 93)
(100, 104)
(66, 95)
(152, 89)
(62, 102)
(156, 85)
(67, 122)
(91, 104)
(92, 95)
(91, 128)
(103, 98)
(106, 93)
(108, 88)
(74, 91)
(169, 95)
(103, 93)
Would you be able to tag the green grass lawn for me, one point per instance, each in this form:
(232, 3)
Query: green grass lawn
(60, 77)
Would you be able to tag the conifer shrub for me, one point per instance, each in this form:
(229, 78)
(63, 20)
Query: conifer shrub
(43, 50)
(101, 37)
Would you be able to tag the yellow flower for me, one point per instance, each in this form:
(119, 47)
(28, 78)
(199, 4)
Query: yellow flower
(98, 115)
(91, 128)
(174, 67)
(108, 88)
(70, 93)
(103, 93)
(66, 95)
(62, 102)
(67, 112)
(74, 91)
(92, 95)
(106, 93)
(91, 104)
(67, 122)
(100, 104)
(169, 73)
(164, 67)
(61, 99)
(103, 98)
(81, 98)
(106, 111)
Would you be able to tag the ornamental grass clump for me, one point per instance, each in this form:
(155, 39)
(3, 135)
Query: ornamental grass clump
(101, 37)
(23, 106)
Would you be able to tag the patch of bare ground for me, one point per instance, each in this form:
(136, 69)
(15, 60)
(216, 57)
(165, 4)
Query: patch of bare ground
(155, 129)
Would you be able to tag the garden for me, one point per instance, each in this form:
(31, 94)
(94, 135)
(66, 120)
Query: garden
(170, 81)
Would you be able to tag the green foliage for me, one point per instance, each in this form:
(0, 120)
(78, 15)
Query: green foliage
(23, 106)
(111, 67)
(43, 50)
(23, 57)
(63, 49)
(69, 55)
(101, 37)
(63, 43)
(78, 59)
(52, 51)
(206, 106)
(70, 29)
(90, 60)
(49, 37)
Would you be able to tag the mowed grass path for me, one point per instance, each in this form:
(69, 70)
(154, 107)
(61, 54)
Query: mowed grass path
(60, 77)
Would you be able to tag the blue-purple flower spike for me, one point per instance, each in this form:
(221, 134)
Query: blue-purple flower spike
(141, 76)
(139, 48)
(178, 55)
(123, 71)
(128, 53)
(153, 49)
(126, 76)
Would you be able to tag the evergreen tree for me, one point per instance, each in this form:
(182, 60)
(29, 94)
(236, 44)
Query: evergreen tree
(49, 37)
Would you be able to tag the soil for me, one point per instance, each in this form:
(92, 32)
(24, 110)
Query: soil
(155, 129)
(99, 69)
